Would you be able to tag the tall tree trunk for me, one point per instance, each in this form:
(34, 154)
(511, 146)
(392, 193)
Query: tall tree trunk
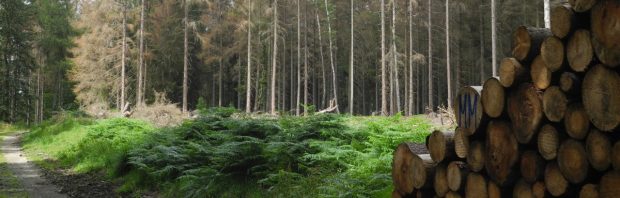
(547, 11)
(448, 78)
(481, 48)
(248, 85)
(297, 109)
(141, 57)
(274, 58)
(384, 108)
(351, 71)
(324, 92)
(331, 59)
(123, 57)
(410, 95)
(493, 38)
(430, 58)
(395, 71)
(185, 54)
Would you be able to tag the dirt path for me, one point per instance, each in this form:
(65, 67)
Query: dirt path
(29, 175)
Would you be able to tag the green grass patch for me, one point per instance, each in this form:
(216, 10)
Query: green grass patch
(224, 154)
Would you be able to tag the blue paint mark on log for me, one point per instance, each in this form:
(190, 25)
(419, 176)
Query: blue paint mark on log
(469, 111)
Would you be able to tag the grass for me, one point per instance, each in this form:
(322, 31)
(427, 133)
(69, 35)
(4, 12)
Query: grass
(226, 155)
(10, 186)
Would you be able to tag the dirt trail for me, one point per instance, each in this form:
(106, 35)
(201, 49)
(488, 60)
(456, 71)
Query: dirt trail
(29, 175)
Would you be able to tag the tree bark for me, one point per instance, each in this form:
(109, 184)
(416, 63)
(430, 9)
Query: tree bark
(598, 150)
(555, 104)
(139, 94)
(123, 56)
(331, 59)
(601, 97)
(605, 34)
(493, 97)
(502, 151)
(351, 69)
(573, 161)
(430, 57)
(493, 38)
(410, 95)
(384, 108)
(448, 77)
(525, 111)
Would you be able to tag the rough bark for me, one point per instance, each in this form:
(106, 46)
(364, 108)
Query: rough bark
(525, 111)
(555, 104)
(601, 97)
(493, 97)
(573, 161)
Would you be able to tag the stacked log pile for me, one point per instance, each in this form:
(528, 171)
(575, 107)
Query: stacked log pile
(548, 126)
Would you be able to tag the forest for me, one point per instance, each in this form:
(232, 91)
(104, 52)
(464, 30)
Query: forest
(365, 57)
(236, 98)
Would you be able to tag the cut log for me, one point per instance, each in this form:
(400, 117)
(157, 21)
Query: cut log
(582, 5)
(598, 149)
(396, 194)
(468, 109)
(453, 195)
(511, 72)
(579, 50)
(554, 180)
(407, 168)
(522, 190)
(606, 32)
(502, 152)
(476, 155)
(570, 83)
(615, 156)
(532, 166)
(554, 104)
(441, 146)
(461, 143)
(440, 183)
(525, 110)
(476, 186)
(423, 171)
(493, 97)
(601, 97)
(610, 185)
(589, 191)
(562, 17)
(552, 53)
(494, 190)
(548, 142)
(526, 42)
(573, 161)
(576, 121)
(541, 75)
(539, 190)
(457, 175)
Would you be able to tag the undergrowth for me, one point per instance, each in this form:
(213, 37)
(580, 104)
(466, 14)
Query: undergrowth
(222, 154)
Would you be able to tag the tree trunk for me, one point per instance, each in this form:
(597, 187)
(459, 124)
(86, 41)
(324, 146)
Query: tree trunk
(351, 71)
(476, 186)
(448, 70)
(324, 92)
(525, 111)
(441, 146)
(601, 97)
(502, 151)
(248, 85)
(139, 94)
(552, 53)
(573, 161)
(532, 166)
(527, 41)
(548, 142)
(555, 104)
(541, 75)
(494, 38)
(511, 72)
(331, 59)
(430, 57)
(395, 70)
(185, 54)
(493, 97)
(598, 149)
(576, 121)
(476, 156)
(457, 175)
(410, 170)
(123, 57)
(547, 11)
(410, 95)
(605, 34)
(468, 110)
(384, 108)
(579, 50)
(554, 180)
(274, 58)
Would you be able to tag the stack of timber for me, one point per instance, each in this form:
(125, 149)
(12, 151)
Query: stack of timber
(547, 126)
